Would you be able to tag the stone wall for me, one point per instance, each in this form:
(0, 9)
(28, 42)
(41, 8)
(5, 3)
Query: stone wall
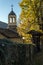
(15, 53)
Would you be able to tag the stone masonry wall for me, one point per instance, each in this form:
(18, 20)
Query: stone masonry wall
(15, 53)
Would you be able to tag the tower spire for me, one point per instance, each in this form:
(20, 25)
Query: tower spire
(12, 7)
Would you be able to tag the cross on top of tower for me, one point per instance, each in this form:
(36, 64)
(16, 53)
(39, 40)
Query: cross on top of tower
(12, 12)
(12, 7)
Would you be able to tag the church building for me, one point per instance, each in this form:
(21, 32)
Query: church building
(11, 31)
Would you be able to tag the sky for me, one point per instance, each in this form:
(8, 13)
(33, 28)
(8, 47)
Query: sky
(5, 8)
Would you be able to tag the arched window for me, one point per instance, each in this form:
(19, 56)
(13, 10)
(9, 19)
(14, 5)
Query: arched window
(13, 20)
(10, 20)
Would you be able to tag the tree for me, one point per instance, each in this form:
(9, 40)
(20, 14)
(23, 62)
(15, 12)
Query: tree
(29, 17)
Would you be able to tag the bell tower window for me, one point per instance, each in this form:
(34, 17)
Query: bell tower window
(10, 20)
(13, 20)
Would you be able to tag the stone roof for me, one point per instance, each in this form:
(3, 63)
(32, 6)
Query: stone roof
(3, 25)
(9, 33)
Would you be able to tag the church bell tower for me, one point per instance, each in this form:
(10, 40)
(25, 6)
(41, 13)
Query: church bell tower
(12, 20)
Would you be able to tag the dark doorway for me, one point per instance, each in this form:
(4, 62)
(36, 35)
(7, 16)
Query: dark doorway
(36, 41)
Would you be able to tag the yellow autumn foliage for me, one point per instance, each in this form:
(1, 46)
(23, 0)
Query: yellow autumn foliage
(29, 17)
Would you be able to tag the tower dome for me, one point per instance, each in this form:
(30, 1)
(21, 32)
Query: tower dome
(12, 13)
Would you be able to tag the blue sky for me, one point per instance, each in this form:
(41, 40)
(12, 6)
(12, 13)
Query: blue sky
(5, 8)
